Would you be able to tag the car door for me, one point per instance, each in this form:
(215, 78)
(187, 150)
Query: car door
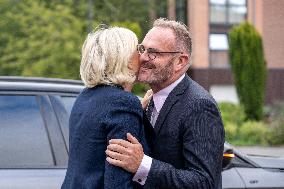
(262, 178)
(33, 151)
(231, 179)
(230, 175)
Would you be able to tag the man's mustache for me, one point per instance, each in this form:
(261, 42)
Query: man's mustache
(147, 65)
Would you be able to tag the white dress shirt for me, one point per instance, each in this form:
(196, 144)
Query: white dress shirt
(159, 99)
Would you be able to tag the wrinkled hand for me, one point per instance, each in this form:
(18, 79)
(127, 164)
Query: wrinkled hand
(147, 97)
(125, 154)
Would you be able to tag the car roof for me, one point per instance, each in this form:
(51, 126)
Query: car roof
(14, 83)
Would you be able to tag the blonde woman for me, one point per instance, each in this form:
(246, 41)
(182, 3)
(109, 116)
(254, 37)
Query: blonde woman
(104, 110)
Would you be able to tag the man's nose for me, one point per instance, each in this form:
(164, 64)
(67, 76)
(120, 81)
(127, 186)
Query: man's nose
(143, 57)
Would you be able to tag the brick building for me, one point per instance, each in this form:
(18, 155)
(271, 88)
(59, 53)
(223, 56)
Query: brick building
(210, 21)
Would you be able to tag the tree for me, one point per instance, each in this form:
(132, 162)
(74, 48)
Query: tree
(249, 68)
(37, 41)
(44, 38)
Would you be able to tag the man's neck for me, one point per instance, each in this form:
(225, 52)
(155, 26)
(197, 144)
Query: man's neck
(159, 86)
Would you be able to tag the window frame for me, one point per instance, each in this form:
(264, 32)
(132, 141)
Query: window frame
(222, 28)
(218, 49)
(227, 7)
(212, 65)
(62, 115)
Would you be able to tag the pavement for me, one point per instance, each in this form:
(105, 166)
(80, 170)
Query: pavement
(266, 151)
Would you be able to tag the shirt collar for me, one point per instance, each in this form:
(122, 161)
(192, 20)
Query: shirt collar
(160, 97)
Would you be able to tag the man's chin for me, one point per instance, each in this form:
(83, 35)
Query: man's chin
(144, 75)
(143, 79)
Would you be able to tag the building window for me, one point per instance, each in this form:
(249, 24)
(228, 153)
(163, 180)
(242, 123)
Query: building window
(223, 15)
(218, 42)
(218, 45)
(218, 11)
(227, 11)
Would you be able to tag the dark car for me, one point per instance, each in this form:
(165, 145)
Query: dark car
(34, 114)
(251, 171)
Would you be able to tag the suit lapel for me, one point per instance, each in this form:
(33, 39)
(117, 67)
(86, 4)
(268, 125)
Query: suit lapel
(170, 101)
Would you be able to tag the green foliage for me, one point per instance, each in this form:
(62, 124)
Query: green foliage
(249, 69)
(140, 89)
(231, 130)
(233, 117)
(253, 133)
(232, 113)
(276, 124)
(40, 41)
(161, 8)
(44, 38)
(111, 11)
(239, 131)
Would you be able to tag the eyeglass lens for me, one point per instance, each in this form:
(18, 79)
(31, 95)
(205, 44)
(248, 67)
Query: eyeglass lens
(141, 49)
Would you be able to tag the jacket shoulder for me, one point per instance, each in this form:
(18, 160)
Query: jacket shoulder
(195, 92)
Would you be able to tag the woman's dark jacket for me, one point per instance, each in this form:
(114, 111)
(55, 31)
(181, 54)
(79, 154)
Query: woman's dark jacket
(98, 115)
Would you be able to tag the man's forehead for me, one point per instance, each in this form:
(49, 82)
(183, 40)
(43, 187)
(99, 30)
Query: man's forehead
(159, 36)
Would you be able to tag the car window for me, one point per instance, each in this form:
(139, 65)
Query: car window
(23, 138)
(63, 106)
(68, 103)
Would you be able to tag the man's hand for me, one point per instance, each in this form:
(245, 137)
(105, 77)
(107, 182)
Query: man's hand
(147, 97)
(124, 154)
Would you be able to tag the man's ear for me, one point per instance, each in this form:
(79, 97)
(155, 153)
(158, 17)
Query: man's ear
(182, 61)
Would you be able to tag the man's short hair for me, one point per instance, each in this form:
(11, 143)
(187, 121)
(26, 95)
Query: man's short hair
(106, 54)
(181, 31)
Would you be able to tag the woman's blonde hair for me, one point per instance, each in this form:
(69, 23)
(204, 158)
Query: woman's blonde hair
(106, 54)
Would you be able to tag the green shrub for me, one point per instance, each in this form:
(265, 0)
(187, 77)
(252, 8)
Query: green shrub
(276, 124)
(232, 113)
(240, 132)
(276, 133)
(248, 67)
(140, 89)
(253, 133)
(231, 131)
(38, 41)
(233, 117)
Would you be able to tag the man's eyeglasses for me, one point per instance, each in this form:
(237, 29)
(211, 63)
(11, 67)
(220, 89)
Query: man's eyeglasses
(153, 53)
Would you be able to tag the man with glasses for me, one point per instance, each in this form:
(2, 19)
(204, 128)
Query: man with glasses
(188, 134)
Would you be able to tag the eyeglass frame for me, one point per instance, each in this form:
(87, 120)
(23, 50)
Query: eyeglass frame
(153, 51)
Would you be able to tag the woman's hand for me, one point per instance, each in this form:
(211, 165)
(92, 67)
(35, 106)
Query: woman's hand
(147, 97)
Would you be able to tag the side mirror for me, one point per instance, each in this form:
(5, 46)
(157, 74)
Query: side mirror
(228, 155)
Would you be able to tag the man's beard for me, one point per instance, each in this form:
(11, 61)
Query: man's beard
(158, 76)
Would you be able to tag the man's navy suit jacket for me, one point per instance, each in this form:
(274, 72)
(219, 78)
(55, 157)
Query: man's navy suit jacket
(98, 115)
(187, 141)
